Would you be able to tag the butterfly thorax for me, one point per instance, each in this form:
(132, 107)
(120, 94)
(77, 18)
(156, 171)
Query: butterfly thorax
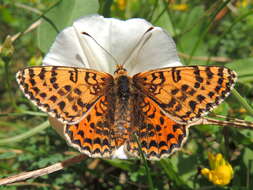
(123, 104)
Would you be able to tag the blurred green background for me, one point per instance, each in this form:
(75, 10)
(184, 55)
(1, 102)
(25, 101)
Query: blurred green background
(206, 33)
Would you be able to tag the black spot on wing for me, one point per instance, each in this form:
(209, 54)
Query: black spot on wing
(192, 105)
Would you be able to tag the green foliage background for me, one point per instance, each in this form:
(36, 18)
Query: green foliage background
(203, 31)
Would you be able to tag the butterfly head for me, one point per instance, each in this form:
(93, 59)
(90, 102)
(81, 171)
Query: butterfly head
(120, 70)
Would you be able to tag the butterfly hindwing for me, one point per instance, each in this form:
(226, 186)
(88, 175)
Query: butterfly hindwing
(93, 135)
(159, 136)
(186, 93)
(66, 93)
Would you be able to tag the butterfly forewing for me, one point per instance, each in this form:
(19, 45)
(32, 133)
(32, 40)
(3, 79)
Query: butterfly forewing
(66, 93)
(186, 93)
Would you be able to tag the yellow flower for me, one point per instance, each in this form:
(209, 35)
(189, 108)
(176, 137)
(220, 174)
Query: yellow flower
(179, 7)
(221, 171)
(242, 3)
(122, 4)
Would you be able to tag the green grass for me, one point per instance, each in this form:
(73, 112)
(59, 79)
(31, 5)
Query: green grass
(27, 143)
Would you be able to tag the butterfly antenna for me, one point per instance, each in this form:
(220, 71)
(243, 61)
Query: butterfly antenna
(139, 42)
(113, 58)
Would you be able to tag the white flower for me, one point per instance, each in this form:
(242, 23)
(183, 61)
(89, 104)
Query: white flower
(120, 38)
(101, 43)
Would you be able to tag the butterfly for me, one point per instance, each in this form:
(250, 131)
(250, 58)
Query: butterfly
(102, 112)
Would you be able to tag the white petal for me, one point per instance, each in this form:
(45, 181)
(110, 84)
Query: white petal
(120, 153)
(66, 51)
(158, 51)
(112, 39)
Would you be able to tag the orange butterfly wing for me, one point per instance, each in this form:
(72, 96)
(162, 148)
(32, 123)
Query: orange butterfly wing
(94, 134)
(166, 101)
(66, 93)
(187, 93)
(159, 136)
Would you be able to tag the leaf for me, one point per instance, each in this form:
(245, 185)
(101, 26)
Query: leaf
(172, 173)
(244, 68)
(62, 15)
(248, 159)
(191, 29)
(187, 171)
(122, 164)
(243, 137)
(163, 20)
(7, 155)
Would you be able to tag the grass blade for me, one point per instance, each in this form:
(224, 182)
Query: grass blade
(25, 135)
(150, 182)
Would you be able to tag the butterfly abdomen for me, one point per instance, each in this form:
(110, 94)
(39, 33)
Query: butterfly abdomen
(123, 106)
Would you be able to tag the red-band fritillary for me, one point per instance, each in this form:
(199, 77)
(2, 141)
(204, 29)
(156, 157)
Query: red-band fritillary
(102, 112)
